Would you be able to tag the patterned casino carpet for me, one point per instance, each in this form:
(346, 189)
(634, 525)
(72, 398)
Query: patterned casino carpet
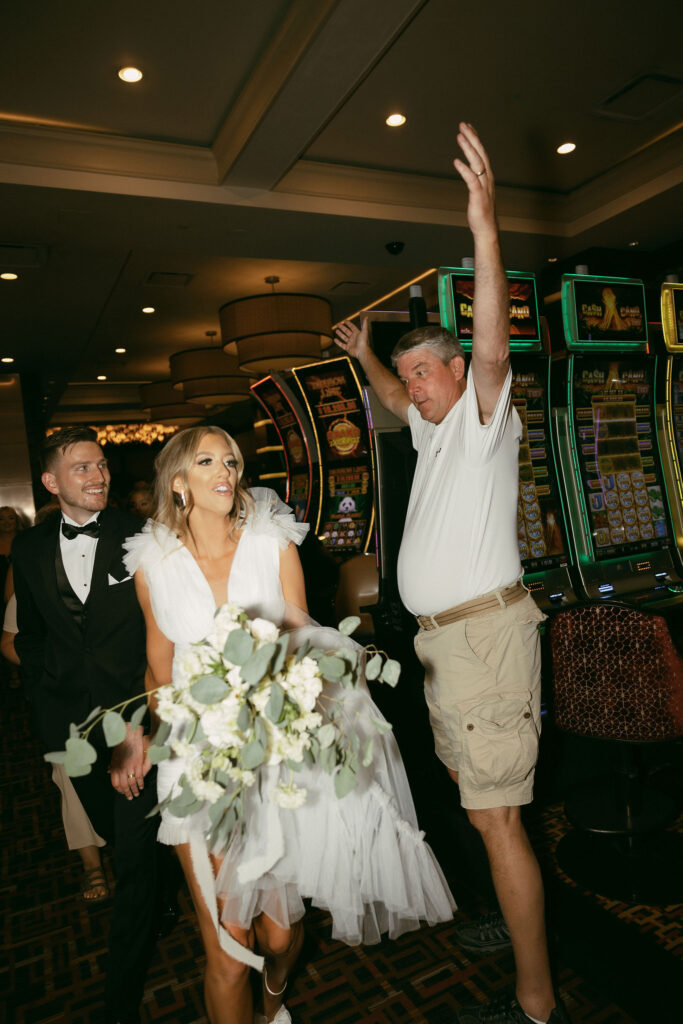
(615, 963)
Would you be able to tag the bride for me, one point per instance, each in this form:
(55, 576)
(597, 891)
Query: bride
(362, 857)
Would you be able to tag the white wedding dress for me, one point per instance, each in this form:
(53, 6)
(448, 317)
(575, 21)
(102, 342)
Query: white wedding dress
(362, 857)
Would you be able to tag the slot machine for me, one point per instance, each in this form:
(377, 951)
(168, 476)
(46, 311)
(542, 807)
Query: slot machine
(298, 444)
(670, 406)
(604, 418)
(344, 510)
(541, 517)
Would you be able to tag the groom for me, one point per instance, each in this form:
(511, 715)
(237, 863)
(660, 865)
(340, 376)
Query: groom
(81, 642)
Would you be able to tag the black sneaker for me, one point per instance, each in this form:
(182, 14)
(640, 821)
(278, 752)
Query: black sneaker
(506, 1011)
(484, 935)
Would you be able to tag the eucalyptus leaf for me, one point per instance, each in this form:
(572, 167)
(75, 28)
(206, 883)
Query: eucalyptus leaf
(380, 724)
(252, 755)
(223, 778)
(238, 646)
(80, 750)
(347, 626)
(331, 667)
(315, 653)
(157, 753)
(373, 667)
(367, 756)
(326, 735)
(308, 759)
(138, 715)
(217, 810)
(344, 781)
(114, 728)
(328, 759)
(282, 645)
(162, 733)
(294, 766)
(260, 731)
(182, 809)
(93, 714)
(56, 757)
(244, 718)
(391, 672)
(275, 703)
(302, 651)
(210, 689)
(75, 769)
(256, 665)
(74, 731)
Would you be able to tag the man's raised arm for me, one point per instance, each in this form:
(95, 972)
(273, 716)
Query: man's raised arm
(383, 382)
(491, 313)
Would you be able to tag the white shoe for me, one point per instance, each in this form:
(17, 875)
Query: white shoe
(281, 1017)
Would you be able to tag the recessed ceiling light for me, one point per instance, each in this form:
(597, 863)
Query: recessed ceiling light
(130, 74)
(7, 359)
(633, 244)
(148, 309)
(395, 120)
(566, 147)
(101, 377)
(552, 259)
(8, 276)
(120, 351)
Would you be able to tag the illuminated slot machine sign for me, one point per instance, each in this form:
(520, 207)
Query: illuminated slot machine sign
(332, 395)
(302, 481)
(608, 440)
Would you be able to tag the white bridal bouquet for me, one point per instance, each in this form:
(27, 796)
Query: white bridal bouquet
(241, 700)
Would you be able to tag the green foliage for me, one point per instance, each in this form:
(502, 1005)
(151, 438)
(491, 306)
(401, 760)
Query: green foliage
(256, 665)
(238, 646)
(348, 625)
(209, 689)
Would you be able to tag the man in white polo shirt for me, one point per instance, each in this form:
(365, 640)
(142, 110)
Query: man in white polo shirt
(459, 573)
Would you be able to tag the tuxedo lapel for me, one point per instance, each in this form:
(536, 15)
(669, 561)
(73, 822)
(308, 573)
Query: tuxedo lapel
(45, 553)
(107, 545)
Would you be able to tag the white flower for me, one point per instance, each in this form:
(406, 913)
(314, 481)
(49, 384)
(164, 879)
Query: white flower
(243, 775)
(289, 796)
(302, 683)
(263, 630)
(308, 723)
(220, 723)
(260, 698)
(291, 747)
(204, 789)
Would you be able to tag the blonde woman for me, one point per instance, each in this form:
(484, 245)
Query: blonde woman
(362, 858)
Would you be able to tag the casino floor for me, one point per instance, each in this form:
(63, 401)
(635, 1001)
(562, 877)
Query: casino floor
(614, 963)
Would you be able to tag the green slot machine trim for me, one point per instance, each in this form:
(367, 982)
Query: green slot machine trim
(447, 310)
(587, 555)
(569, 319)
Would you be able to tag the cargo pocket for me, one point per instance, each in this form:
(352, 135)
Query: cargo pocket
(500, 740)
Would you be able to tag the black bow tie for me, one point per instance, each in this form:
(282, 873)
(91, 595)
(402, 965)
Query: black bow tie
(90, 529)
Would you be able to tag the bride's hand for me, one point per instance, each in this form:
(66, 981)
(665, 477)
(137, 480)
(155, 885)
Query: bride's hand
(129, 764)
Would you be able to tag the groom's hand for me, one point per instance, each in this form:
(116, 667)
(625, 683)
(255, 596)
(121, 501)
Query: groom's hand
(129, 764)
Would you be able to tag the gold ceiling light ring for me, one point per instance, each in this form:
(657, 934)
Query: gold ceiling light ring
(208, 376)
(166, 407)
(276, 331)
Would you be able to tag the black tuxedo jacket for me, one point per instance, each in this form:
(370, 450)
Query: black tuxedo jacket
(73, 662)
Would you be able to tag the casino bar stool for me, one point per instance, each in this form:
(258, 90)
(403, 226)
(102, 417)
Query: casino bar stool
(617, 676)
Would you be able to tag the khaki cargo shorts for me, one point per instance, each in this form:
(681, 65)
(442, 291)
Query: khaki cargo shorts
(483, 691)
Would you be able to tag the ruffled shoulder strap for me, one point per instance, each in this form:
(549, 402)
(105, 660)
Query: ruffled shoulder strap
(147, 549)
(273, 518)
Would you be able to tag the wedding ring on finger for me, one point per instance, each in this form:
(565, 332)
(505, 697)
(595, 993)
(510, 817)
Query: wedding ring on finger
(479, 173)
(130, 775)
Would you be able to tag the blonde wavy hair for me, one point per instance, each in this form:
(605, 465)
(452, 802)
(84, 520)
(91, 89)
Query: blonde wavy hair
(175, 459)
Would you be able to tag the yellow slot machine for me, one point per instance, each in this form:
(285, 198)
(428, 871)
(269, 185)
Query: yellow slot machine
(670, 406)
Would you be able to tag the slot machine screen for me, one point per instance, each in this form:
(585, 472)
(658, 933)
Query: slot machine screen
(677, 404)
(540, 521)
(609, 310)
(525, 331)
(613, 409)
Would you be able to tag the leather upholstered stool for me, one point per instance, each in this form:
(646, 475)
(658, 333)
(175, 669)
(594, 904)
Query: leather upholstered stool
(618, 677)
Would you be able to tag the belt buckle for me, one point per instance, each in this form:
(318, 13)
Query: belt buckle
(426, 622)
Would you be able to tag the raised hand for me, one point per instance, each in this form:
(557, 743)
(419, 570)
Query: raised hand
(352, 339)
(478, 176)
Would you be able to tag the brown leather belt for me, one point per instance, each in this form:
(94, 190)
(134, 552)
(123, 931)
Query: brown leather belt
(483, 605)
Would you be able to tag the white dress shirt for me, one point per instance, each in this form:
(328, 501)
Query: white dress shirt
(78, 556)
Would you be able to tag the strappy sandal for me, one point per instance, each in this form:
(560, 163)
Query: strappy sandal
(94, 879)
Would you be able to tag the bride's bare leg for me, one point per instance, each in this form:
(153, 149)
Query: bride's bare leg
(281, 948)
(227, 991)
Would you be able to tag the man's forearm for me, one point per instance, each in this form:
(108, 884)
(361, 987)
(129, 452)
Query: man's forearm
(383, 382)
(491, 312)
